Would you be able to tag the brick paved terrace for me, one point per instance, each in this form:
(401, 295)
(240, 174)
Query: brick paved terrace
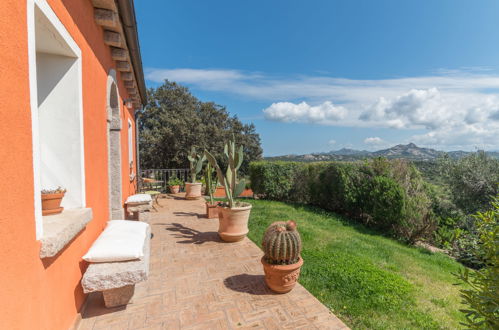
(197, 281)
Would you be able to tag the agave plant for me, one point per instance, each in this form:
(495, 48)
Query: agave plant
(234, 155)
(196, 163)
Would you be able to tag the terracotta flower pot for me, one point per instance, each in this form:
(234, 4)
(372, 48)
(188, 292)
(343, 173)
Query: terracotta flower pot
(174, 189)
(212, 210)
(193, 190)
(281, 278)
(51, 203)
(233, 223)
(219, 192)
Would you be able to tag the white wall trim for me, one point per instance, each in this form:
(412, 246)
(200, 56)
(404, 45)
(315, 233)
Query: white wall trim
(34, 118)
(45, 8)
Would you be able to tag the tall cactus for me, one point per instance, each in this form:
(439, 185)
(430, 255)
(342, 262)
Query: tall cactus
(196, 163)
(208, 180)
(282, 243)
(234, 155)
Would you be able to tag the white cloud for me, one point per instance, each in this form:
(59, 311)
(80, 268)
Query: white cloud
(319, 89)
(453, 108)
(331, 142)
(326, 113)
(194, 75)
(374, 140)
(425, 108)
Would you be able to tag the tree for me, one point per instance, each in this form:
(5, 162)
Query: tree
(472, 180)
(175, 120)
(482, 294)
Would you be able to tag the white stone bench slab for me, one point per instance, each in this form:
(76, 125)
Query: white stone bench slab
(117, 280)
(137, 205)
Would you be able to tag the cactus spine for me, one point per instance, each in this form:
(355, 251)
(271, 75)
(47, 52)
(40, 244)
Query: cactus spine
(196, 163)
(282, 243)
(234, 155)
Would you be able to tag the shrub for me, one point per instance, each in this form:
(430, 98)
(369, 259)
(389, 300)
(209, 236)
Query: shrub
(482, 297)
(389, 195)
(273, 180)
(387, 202)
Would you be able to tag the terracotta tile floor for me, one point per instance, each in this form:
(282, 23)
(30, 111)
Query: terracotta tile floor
(198, 282)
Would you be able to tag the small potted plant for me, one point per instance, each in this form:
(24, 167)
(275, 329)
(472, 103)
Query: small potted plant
(174, 184)
(211, 206)
(193, 188)
(281, 261)
(51, 200)
(233, 216)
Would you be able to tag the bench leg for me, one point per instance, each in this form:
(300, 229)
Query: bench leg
(144, 216)
(119, 296)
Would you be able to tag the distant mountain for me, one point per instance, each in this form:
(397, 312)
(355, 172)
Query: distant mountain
(349, 152)
(408, 151)
(405, 151)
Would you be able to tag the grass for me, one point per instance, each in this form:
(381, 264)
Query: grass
(366, 279)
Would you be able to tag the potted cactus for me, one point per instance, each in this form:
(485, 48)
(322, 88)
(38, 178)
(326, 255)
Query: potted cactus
(233, 216)
(193, 188)
(174, 184)
(211, 206)
(282, 261)
(51, 200)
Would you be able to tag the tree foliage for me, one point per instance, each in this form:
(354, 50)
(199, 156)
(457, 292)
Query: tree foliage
(472, 180)
(175, 120)
(482, 296)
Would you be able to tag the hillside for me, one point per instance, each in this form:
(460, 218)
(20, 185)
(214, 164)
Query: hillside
(369, 281)
(406, 151)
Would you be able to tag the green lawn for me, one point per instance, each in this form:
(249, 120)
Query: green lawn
(367, 280)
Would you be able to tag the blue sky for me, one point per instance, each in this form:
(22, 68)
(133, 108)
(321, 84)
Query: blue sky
(321, 75)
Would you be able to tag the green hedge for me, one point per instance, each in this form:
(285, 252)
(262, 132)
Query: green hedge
(386, 194)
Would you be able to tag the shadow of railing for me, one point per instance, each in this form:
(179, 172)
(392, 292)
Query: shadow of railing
(192, 236)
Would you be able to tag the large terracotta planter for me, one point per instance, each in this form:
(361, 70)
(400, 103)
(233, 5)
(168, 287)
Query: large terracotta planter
(219, 192)
(193, 190)
(233, 223)
(51, 203)
(212, 210)
(174, 189)
(281, 278)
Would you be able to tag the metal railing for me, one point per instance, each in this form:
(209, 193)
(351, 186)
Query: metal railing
(157, 179)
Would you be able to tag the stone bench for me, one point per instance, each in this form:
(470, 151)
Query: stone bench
(138, 206)
(117, 280)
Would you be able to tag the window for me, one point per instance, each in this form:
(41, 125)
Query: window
(56, 107)
(130, 143)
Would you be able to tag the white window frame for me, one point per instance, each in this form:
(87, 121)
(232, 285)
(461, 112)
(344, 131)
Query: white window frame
(130, 143)
(45, 8)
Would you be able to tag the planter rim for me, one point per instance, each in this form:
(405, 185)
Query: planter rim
(212, 205)
(241, 208)
(52, 196)
(296, 265)
(194, 183)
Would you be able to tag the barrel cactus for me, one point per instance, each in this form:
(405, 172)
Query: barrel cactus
(282, 243)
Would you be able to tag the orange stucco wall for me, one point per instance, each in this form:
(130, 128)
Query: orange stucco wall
(35, 293)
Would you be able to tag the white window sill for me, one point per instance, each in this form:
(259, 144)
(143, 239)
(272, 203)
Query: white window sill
(60, 229)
